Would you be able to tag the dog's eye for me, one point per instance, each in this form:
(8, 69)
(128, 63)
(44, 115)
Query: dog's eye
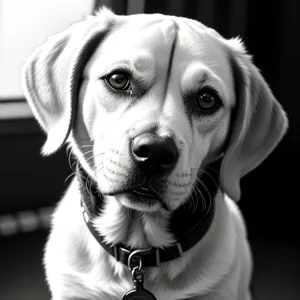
(207, 101)
(118, 80)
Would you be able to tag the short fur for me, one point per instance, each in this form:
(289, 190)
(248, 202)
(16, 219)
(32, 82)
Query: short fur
(169, 58)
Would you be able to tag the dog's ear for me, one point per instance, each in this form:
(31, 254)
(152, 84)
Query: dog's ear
(258, 126)
(52, 75)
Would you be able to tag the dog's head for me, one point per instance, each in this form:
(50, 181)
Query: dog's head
(147, 101)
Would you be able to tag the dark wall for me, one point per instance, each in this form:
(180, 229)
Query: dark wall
(28, 180)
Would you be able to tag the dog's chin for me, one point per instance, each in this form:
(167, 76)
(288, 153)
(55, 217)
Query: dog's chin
(139, 203)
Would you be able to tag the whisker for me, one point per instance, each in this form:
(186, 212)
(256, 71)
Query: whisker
(96, 166)
(69, 159)
(201, 198)
(69, 176)
(191, 199)
(94, 156)
(206, 189)
(84, 153)
(85, 146)
(88, 188)
(195, 188)
(183, 203)
(203, 184)
(98, 170)
(99, 164)
(208, 167)
(203, 202)
(208, 175)
(182, 199)
(89, 181)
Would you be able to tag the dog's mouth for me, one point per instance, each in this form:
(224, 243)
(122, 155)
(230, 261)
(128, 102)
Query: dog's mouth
(144, 192)
(142, 199)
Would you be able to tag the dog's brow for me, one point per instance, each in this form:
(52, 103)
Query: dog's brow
(139, 63)
(199, 79)
(118, 63)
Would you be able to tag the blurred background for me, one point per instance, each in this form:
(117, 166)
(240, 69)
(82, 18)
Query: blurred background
(30, 185)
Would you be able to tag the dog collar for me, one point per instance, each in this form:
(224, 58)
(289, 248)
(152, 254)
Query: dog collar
(189, 225)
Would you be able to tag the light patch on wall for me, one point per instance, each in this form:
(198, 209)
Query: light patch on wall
(13, 109)
(24, 25)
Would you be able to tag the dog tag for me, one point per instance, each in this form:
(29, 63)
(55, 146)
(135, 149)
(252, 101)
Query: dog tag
(138, 292)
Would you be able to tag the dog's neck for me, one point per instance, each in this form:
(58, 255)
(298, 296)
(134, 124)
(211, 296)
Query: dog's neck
(176, 231)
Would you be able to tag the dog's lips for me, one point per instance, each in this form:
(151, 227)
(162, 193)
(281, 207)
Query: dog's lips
(144, 191)
(141, 202)
(140, 198)
(143, 195)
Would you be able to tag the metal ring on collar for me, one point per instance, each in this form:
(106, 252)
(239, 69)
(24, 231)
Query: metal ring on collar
(135, 255)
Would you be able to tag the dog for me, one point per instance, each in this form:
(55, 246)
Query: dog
(148, 104)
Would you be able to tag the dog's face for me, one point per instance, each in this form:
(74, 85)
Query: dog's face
(155, 109)
(149, 101)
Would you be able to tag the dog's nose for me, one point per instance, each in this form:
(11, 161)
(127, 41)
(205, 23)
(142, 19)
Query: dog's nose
(154, 154)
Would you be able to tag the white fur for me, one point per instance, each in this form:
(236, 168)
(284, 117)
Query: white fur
(217, 267)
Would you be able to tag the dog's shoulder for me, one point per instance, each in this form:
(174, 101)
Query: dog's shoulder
(236, 215)
(69, 205)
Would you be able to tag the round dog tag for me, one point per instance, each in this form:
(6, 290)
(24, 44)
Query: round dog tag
(140, 294)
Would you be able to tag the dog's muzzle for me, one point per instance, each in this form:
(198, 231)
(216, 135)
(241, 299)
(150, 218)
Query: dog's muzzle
(154, 155)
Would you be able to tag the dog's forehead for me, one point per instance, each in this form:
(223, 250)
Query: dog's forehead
(155, 35)
(198, 42)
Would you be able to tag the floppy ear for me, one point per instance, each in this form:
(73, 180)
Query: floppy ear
(259, 123)
(52, 76)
